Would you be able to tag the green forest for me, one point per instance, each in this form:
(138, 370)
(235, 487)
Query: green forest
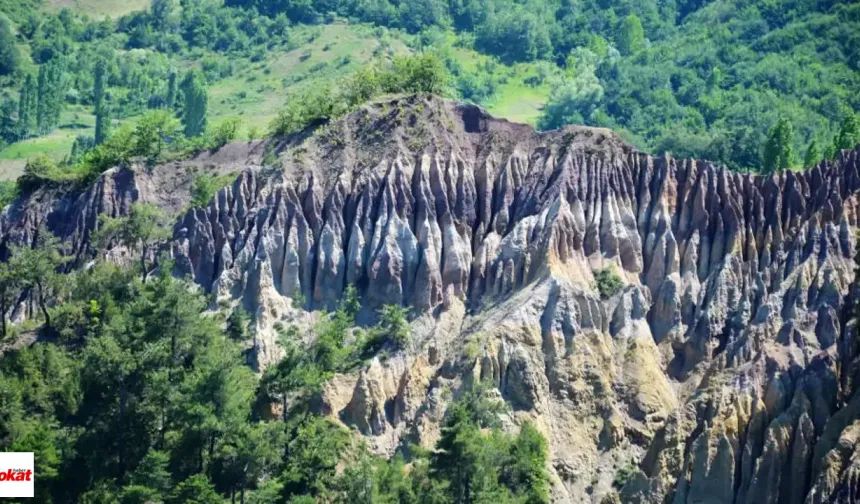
(710, 80)
(143, 395)
(138, 390)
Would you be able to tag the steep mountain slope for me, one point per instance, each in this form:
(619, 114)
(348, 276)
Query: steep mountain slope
(724, 370)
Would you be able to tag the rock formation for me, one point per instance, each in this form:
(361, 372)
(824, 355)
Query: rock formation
(725, 369)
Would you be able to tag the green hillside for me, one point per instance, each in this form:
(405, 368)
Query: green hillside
(75, 120)
(97, 8)
(698, 79)
(254, 91)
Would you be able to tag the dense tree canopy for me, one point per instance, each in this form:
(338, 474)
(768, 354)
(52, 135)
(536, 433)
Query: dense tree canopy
(693, 78)
(142, 398)
(10, 57)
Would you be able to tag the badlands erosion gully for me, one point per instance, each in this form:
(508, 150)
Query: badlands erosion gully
(724, 370)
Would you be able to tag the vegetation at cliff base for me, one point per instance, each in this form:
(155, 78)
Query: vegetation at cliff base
(144, 394)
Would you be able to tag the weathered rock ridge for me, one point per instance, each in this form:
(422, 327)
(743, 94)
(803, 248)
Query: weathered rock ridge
(725, 370)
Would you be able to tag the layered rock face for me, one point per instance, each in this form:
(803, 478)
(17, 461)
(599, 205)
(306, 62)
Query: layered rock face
(723, 371)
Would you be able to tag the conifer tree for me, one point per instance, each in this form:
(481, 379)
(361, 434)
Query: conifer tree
(196, 101)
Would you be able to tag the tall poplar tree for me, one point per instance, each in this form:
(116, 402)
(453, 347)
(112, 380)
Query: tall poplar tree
(27, 108)
(172, 85)
(849, 133)
(196, 101)
(813, 155)
(631, 35)
(42, 101)
(50, 96)
(100, 101)
(10, 57)
(8, 126)
(778, 152)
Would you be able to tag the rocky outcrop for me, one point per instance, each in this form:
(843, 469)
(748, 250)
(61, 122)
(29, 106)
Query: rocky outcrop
(71, 212)
(724, 370)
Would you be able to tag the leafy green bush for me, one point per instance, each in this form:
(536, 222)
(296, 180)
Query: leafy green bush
(8, 192)
(299, 301)
(153, 133)
(204, 187)
(38, 171)
(475, 345)
(608, 282)
(225, 132)
(116, 150)
(424, 73)
(392, 330)
(393, 325)
(237, 324)
(624, 473)
(311, 107)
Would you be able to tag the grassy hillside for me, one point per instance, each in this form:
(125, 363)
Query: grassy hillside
(75, 121)
(695, 79)
(254, 93)
(706, 79)
(518, 92)
(97, 8)
(257, 90)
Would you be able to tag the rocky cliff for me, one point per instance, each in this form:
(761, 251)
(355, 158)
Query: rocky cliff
(724, 370)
